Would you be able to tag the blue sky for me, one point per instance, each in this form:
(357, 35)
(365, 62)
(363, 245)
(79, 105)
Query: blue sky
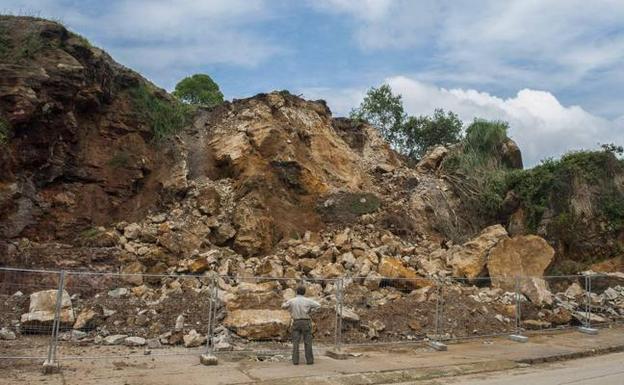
(553, 69)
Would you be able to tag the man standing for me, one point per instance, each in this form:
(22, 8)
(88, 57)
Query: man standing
(300, 308)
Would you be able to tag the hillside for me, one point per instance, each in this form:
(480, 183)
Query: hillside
(90, 145)
(100, 170)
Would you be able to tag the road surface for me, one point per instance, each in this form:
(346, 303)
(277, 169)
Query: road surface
(598, 370)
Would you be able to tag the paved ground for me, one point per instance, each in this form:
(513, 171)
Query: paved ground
(374, 366)
(601, 370)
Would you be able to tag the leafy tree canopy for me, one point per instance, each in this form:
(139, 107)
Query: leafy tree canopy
(199, 89)
(409, 135)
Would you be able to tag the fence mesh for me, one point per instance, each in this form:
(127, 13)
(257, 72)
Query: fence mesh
(28, 302)
(386, 310)
(110, 315)
(252, 318)
(135, 315)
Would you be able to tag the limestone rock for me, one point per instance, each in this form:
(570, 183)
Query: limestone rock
(270, 268)
(193, 339)
(42, 308)
(259, 324)
(86, 319)
(331, 270)
(116, 339)
(132, 231)
(118, 293)
(134, 341)
(511, 155)
(349, 315)
(574, 291)
(469, 260)
(525, 256)
(6, 334)
(432, 159)
(133, 271)
(399, 275)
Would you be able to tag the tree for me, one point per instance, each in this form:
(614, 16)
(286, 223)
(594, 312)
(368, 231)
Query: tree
(423, 132)
(384, 110)
(411, 136)
(199, 89)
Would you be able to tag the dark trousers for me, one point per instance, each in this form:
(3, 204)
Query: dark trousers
(302, 328)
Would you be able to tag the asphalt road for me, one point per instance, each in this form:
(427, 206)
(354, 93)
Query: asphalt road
(599, 370)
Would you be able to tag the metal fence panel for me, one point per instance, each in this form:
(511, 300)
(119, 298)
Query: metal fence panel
(49, 315)
(135, 314)
(28, 307)
(252, 317)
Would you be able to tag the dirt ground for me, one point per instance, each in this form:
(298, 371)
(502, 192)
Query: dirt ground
(378, 364)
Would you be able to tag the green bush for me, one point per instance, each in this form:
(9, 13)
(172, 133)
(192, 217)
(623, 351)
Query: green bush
(164, 116)
(549, 185)
(346, 207)
(199, 89)
(476, 171)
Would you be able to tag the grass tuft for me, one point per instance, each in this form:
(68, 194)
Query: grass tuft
(164, 116)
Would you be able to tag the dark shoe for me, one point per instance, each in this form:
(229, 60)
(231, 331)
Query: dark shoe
(295, 363)
(310, 363)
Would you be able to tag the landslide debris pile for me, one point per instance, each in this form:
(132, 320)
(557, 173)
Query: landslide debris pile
(102, 171)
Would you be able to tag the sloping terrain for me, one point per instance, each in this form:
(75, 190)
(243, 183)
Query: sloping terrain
(101, 170)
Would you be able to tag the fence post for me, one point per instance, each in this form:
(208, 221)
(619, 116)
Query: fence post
(517, 336)
(434, 342)
(209, 358)
(339, 304)
(586, 328)
(51, 364)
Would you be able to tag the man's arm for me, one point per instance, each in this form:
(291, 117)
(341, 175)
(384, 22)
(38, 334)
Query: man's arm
(314, 305)
(286, 305)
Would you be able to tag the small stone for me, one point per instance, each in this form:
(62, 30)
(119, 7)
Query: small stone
(118, 293)
(349, 315)
(134, 341)
(179, 325)
(78, 334)
(132, 231)
(115, 339)
(154, 343)
(158, 218)
(193, 339)
(6, 334)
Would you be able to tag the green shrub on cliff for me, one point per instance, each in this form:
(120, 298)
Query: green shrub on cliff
(476, 171)
(550, 185)
(165, 117)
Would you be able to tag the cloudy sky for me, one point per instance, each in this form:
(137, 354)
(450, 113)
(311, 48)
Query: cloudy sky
(554, 69)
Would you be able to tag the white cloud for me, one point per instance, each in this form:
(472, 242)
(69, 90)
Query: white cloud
(514, 43)
(539, 123)
(383, 24)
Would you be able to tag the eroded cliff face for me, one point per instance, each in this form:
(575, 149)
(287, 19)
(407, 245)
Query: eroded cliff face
(77, 153)
(251, 186)
(284, 158)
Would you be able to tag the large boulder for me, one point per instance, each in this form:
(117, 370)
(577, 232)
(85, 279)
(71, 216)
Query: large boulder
(523, 256)
(432, 159)
(511, 155)
(469, 260)
(255, 296)
(259, 324)
(42, 309)
(400, 276)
